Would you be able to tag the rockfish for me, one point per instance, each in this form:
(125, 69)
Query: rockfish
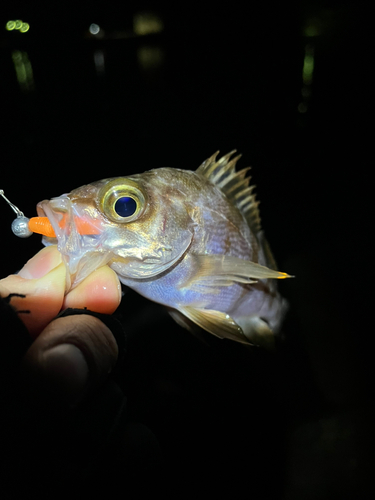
(191, 241)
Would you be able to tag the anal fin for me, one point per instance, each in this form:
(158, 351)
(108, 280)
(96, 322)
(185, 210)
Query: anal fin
(215, 322)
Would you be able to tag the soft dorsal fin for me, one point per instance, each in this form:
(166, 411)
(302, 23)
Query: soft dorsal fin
(234, 184)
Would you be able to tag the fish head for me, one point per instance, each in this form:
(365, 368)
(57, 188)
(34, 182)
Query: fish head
(133, 224)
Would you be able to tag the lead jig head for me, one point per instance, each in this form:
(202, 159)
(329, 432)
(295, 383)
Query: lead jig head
(20, 225)
(24, 227)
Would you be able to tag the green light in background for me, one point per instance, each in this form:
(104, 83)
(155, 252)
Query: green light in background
(10, 25)
(150, 58)
(17, 25)
(24, 71)
(16, 56)
(19, 67)
(308, 65)
(145, 23)
(25, 27)
(311, 31)
(307, 78)
(313, 27)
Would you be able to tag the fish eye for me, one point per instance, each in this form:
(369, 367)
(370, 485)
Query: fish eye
(125, 206)
(122, 200)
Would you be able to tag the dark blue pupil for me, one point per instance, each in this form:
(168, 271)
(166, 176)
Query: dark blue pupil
(125, 206)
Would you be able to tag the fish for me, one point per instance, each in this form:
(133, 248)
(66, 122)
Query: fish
(189, 240)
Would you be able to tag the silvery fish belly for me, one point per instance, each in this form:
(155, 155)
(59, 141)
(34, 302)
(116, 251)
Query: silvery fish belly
(191, 241)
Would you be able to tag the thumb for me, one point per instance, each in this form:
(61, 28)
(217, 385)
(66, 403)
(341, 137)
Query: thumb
(73, 355)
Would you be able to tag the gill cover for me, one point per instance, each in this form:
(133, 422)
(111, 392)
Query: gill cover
(122, 200)
(144, 238)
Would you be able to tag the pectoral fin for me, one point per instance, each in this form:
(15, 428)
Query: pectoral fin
(223, 270)
(215, 322)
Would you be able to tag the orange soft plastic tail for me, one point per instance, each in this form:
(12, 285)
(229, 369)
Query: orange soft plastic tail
(42, 225)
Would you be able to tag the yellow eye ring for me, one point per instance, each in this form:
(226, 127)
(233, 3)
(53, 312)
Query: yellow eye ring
(121, 200)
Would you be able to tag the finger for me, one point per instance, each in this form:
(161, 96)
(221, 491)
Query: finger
(42, 282)
(99, 292)
(72, 356)
(40, 299)
(42, 263)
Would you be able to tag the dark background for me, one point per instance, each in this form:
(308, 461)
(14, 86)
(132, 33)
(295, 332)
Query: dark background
(221, 77)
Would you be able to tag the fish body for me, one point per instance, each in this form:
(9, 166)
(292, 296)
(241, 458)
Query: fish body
(191, 241)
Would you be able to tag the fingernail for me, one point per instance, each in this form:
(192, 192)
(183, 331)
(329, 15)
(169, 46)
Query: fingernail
(67, 370)
(41, 264)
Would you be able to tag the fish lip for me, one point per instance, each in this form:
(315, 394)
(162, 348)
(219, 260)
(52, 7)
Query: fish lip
(79, 252)
(54, 210)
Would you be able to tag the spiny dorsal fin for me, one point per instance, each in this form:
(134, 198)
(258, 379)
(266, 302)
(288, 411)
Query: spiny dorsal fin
(234, 184)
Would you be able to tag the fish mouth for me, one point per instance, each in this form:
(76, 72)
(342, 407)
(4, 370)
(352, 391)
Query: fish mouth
(55, 211)
(78, 236)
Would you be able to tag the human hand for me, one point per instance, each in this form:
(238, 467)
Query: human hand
(71, 352)
(42, 282)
